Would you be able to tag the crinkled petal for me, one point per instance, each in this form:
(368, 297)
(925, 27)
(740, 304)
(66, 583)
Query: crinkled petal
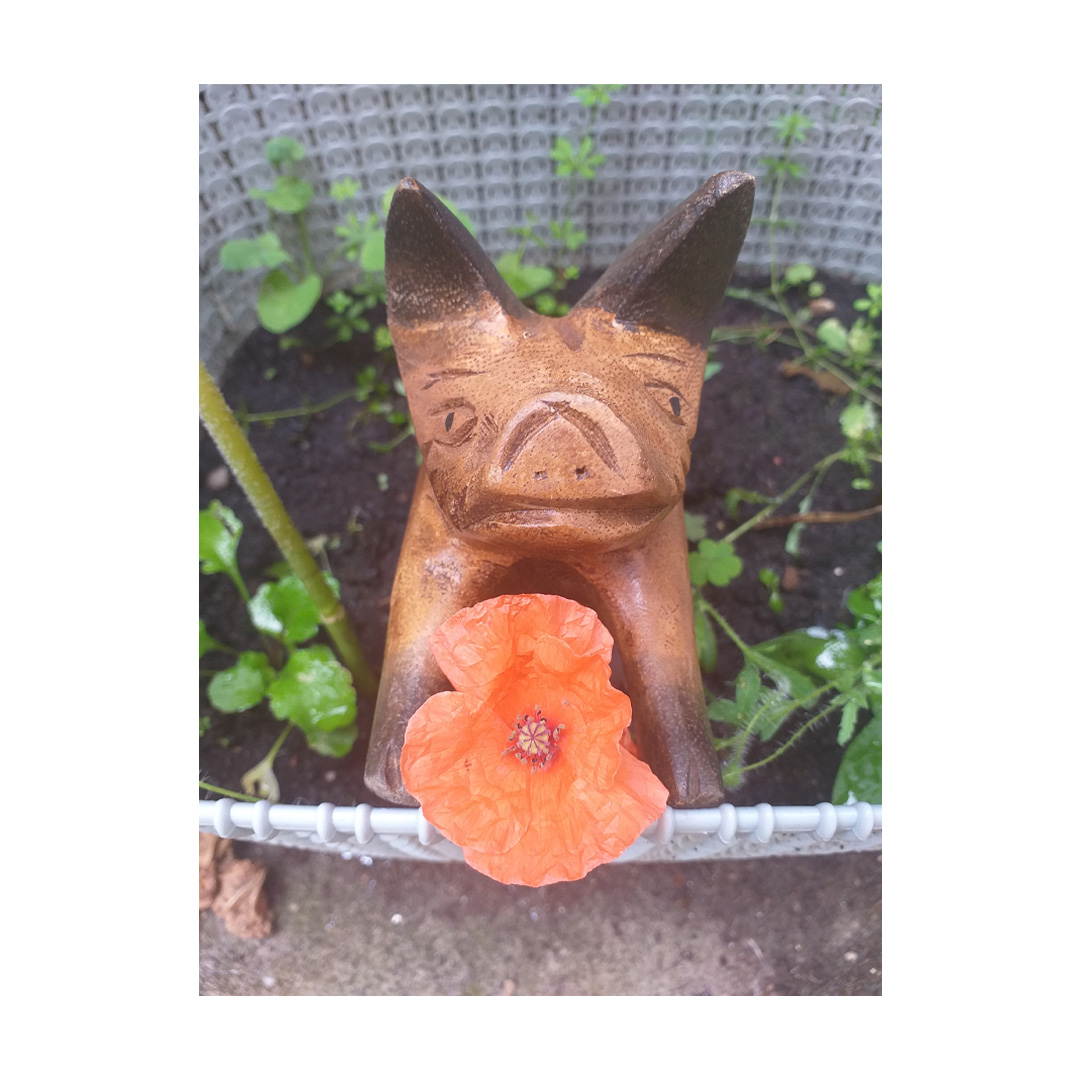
(575, 827)
(594, 714)
(453, 763)
(481, 643)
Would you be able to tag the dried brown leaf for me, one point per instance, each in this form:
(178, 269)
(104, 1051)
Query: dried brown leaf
(241, 900)
(824, 379)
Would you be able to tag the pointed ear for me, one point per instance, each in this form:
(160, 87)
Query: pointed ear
(673, 277)
(435, 270)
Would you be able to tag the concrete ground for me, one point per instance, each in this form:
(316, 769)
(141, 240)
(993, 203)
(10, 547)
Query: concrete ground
(788, 925)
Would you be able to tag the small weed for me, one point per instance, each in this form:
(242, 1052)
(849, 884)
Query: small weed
(305, 687)
(817, 671)
(574, 161)
(291, 287)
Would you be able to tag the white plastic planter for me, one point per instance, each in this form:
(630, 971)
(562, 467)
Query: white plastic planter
(726, 832)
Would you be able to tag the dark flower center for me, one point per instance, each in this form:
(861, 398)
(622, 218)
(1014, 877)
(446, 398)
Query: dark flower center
(534, 740)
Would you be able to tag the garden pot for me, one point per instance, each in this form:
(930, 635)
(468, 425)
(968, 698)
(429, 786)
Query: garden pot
(348, 488)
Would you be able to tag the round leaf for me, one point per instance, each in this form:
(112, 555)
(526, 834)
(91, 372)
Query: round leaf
(799, 273)
(241, 686)
(290, 195)
(283, 303)
(284, 609)
(832, 334)
(282, 149)
(264, 250)
(336, 743)
(219, 536)
(723, 565)
(314, 691)
(695, 526)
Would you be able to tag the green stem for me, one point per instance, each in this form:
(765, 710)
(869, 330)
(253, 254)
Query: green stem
(300, 410)
(251, 476)
(225, 791)
(385, 448)
(726, 627)
(301, 228)
(776, 753)
(744, 736)
(747, 525)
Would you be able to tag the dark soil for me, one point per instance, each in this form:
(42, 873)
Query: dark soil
(758, 430)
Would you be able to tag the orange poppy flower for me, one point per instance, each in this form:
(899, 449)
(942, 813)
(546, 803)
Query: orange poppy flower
(525, 764)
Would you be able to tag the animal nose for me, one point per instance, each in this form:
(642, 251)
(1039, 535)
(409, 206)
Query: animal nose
(571, 447)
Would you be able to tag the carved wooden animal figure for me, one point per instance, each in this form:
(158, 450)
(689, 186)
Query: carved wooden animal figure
(555, 455)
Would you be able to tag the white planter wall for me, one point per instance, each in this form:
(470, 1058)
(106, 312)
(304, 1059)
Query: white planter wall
(486, 148)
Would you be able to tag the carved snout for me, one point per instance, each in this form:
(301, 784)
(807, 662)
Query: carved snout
(572, 450)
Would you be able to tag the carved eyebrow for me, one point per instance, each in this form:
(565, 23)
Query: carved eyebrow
(451, 373)
(664, 386)
(452, 403)
(655, 356)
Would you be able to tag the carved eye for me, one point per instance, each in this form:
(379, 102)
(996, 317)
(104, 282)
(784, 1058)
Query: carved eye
(669, 399)
(458, 420)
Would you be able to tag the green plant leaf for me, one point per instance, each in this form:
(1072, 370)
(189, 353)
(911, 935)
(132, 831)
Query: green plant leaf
(723, 711)
(773, 707)
(747, 692)
(865, 602)
(207, 643)
(706, 640)
(597, 94)
(799, 273)
(858, 420)
(833, 335)
(819, 654)
(860, 770)
(339, 301)
(373, 253)
(336, 743)
(219, 537)
(313, 691)
(284, 303)
(281, 149)
(290, 195)
(848, 716)
(382, 339)
(241, 686)
(343, 189)
(771, 580)
(524, 280)
(264, 251)
(695, 526)
(860, 339)
(715, 562)
(284, 609)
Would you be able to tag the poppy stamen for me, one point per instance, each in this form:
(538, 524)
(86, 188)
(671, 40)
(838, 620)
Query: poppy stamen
(534, 740)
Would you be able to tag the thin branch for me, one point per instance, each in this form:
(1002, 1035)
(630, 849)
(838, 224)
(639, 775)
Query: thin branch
(819, 517)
